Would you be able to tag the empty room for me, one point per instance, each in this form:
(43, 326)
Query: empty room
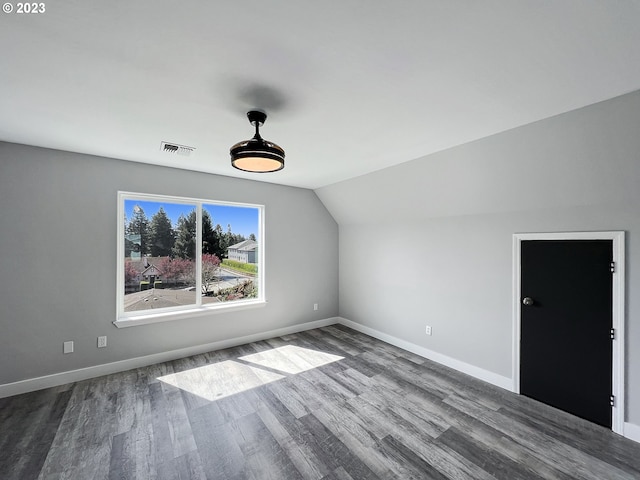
(320, 240)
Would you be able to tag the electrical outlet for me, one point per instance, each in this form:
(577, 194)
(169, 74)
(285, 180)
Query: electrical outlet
(67, 347)
(428, 330)
(102, 342)
(315, 306)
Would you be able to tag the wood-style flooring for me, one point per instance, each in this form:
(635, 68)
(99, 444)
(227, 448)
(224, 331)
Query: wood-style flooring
(328, 404)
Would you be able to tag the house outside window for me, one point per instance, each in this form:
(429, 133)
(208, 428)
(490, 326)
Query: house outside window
(245, 251)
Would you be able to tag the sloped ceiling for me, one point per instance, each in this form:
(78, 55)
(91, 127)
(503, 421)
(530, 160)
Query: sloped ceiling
(350, 87)
(586, 158)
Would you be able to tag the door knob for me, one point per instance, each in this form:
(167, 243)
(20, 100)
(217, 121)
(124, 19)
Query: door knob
(527, 301)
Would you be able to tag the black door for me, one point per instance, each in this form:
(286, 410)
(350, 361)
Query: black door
(566, 320)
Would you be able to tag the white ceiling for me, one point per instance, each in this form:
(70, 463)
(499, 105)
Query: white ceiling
(349, 86)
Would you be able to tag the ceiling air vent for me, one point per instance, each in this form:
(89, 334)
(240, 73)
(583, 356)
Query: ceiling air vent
(174, 148)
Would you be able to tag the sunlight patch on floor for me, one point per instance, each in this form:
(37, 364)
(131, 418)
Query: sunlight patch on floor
(229, 377)
(291, 359)
(220, 380)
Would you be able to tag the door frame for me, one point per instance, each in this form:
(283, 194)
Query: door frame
(618, 310)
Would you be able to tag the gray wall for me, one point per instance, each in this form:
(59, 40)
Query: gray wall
(58, 260)
(429, 242)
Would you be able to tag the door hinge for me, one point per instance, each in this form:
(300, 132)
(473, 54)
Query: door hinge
(612, 400)
(613, 267)
(613, 334)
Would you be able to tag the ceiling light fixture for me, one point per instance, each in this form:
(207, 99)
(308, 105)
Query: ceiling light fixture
(257, 155)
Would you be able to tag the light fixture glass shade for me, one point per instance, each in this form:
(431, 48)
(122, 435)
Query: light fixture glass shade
(257, 155)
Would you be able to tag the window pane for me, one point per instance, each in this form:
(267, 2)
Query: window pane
(230, 250)
(160, 253)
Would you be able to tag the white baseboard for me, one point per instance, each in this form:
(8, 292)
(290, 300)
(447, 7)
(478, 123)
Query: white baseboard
(477, 372)
(632, 431)
(62, 378)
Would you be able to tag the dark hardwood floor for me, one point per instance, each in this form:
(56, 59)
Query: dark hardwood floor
(325, 404)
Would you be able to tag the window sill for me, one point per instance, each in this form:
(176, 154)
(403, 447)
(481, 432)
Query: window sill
(149, 318)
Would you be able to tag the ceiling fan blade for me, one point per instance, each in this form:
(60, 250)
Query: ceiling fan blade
(262, 97)
(249, 95)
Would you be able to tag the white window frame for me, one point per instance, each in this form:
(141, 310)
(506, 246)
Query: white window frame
(129, 319)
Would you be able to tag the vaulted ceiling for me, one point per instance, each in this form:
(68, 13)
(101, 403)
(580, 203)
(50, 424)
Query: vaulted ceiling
(349, 86)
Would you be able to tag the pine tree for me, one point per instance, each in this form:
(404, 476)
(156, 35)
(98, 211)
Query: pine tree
(210, 239)
(185, 243)
(223, 241)
(139, 225)
(185, 235)
(161, 236)
(232, 238)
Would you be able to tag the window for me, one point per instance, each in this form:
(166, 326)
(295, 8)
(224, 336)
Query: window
(180, 256)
